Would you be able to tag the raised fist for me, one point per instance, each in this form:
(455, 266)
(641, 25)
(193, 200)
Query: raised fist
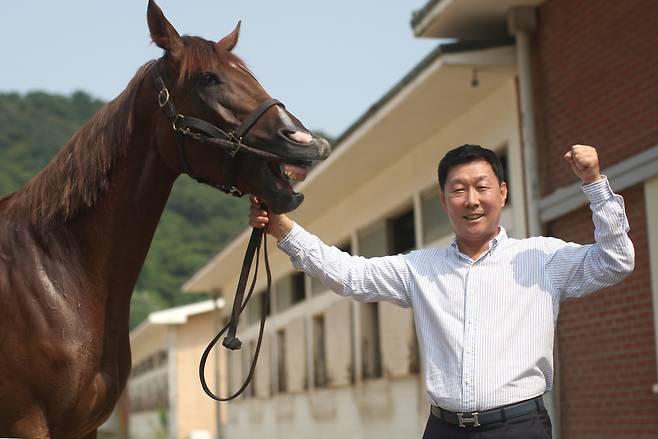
(585, 162)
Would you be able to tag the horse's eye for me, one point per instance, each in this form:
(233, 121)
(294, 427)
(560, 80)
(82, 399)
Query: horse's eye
(207, 79)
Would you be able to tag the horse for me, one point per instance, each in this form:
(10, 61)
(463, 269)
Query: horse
(73, 239)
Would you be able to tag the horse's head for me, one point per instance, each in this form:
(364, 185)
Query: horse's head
(210, 84)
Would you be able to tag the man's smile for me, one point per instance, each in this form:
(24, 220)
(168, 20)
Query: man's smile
(473, 216)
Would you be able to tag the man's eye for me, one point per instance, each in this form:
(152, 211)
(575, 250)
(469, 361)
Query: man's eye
(207, 79)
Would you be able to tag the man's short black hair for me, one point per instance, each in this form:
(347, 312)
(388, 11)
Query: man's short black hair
(467, 154)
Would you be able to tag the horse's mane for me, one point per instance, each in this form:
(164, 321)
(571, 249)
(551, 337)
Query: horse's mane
(79, 173)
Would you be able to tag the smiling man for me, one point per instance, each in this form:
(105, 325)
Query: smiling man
(485, 307)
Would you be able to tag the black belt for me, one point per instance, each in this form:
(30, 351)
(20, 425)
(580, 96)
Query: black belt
(501, 414)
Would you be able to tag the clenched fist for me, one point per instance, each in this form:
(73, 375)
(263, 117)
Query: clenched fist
(585, 162)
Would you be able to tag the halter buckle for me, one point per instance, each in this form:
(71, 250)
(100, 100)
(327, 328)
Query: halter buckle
(175, 123)
(163, 97)
(235, 192)
(237, 141)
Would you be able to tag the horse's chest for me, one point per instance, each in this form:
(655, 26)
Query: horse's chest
(89, 386)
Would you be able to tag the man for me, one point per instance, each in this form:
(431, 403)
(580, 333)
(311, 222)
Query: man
(485, 308)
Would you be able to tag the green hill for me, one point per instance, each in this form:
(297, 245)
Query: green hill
(197, 221)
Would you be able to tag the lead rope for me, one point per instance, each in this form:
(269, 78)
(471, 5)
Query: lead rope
(232, 342)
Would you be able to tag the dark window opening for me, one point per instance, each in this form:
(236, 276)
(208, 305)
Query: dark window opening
(282, 382)
(319, 354)
(370, 345)
(298, 289)
(402, 233)
(504, 160)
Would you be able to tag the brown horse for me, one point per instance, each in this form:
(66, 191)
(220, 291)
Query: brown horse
(73, 240)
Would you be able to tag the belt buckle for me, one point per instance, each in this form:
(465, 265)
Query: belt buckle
(463, 421)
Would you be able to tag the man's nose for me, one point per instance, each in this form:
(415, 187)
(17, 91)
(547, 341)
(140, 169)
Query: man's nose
(471, 198)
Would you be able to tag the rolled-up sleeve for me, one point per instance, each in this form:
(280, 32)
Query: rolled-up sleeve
(384, 278)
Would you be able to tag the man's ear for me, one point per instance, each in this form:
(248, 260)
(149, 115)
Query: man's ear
(162, 32)
(503, 192)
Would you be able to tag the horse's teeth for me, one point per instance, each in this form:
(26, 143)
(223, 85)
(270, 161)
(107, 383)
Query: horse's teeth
(291, 174)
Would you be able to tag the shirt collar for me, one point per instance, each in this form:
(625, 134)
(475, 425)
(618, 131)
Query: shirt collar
(500, 237)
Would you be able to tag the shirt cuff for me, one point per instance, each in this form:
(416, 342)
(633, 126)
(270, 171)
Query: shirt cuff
(293, 240)
(598, 191)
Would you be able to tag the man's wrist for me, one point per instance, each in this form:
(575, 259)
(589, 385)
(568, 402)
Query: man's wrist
(591, 180)
(281, 228)
(598, 191)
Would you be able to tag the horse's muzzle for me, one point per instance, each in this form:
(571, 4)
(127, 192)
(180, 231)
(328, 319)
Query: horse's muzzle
(316, 149)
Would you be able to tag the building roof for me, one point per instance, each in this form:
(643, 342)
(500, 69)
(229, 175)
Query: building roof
(419, 15)
(176, 316)
(465, 19)
(440, 50)
(180, 314)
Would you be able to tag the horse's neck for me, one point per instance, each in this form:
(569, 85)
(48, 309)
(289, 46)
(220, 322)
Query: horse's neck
(124, 221)
(118, 230)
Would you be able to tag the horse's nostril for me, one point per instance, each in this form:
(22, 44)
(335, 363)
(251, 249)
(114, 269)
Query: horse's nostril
(299, 136)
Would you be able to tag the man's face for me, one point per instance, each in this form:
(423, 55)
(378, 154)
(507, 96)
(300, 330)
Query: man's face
(473, 198)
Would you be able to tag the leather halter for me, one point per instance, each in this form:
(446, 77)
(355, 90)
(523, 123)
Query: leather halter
(205, 132)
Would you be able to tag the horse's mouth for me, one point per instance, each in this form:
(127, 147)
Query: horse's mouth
(278, 192)
(288, 173)
(293, 165)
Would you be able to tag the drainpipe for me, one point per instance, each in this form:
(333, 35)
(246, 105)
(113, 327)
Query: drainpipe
(522, 22)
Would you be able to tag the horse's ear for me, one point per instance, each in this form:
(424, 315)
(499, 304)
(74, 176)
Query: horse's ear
(162, 32)
(229, 41)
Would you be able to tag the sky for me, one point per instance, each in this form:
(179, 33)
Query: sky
(328, 61)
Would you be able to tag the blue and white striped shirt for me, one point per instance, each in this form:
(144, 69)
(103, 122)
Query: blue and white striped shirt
(485, 326)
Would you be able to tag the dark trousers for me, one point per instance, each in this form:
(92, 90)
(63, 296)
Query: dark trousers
(535, 425)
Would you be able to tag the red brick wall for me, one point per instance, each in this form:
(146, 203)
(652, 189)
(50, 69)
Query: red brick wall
(595, 78)
(607, 356)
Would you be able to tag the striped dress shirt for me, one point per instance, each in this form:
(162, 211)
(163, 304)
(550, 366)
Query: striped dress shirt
(485, 326)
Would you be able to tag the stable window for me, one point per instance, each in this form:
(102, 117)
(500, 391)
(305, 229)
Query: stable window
(298, 291)
(371, 357)
(436, 224)
(374, 241)
(505, 161)
(282, 375)
(319, 352)
(255, 307)
(289, 291)
(402, 233)
(249, 349)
